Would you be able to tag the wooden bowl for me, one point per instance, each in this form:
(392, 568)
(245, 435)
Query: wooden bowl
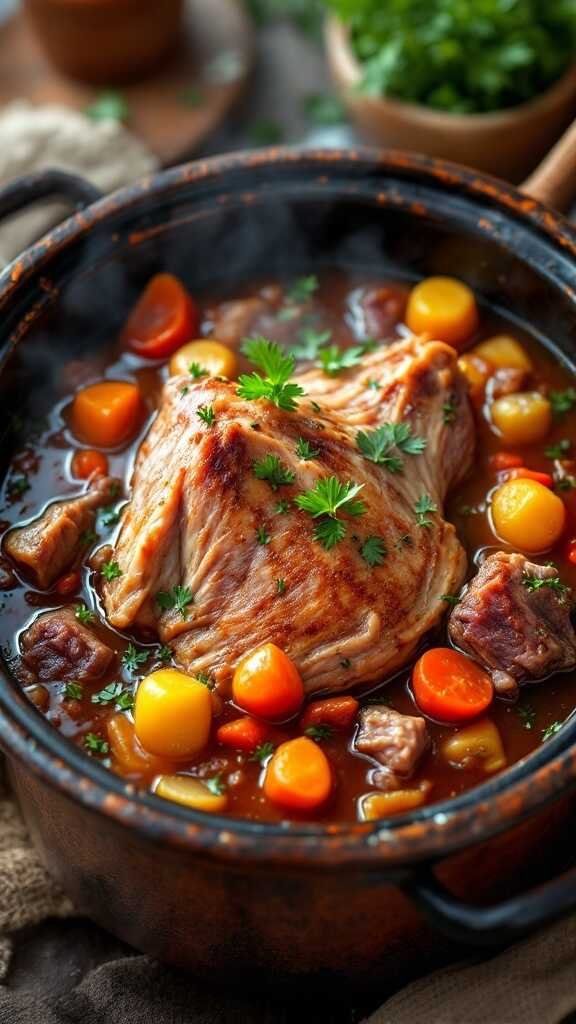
(508, 143)
(105, 42)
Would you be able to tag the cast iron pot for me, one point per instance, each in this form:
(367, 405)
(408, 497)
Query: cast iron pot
(233, 898)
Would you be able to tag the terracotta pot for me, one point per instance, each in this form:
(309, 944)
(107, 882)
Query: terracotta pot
(507, 143)
(105, 42)
(363, 903)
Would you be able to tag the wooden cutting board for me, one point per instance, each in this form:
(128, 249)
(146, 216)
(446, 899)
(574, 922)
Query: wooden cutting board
(173, 110)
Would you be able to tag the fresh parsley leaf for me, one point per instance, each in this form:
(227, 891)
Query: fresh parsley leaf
(206, 679)
(111, 571)
(565, 483)
(95, 744)
(378, 445)
(450, 599)
(448, 413)
(108, 695)
(534, 583)
(206, 414)
(273, 471)
(88, 537)
(562, 401)
(282, 507)
(345, 663)
(374, 384)
(215, 785)
(262, 753)
(309, 342)
(329, 532)
(184, 391)
(109, 105)
(527, 715)
(132, 658)
(83, 614)
(318, 732)
(315, 407)
(277, 366)
(177, 598)
(305, 450)
(332, 359)
(109, 516)
(18, 486)
(164, 654)
(280, 587)
(262, 535)
(551, 730)
(303, 289)
(373, 551)
(196, 371)
(324, 110)
(423, 506)
(558, 450)
(330, 496)
(125, 701)
(73, 691)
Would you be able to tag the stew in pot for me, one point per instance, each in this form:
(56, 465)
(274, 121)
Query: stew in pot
(301, 552)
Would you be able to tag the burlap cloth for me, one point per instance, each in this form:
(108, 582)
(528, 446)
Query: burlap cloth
(533, 982)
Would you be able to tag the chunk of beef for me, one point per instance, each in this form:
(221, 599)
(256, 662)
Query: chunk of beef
(515, 619)
(58, 647)
(51, 542)
(396, 741)
(382, 308)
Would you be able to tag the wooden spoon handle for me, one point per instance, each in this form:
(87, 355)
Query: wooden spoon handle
(554, 180)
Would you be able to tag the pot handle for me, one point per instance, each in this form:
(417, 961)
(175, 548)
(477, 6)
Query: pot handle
(50, 184)
(499, 924)
(553, 182)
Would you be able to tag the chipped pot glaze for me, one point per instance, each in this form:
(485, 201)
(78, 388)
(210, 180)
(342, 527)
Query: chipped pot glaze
(235, 898)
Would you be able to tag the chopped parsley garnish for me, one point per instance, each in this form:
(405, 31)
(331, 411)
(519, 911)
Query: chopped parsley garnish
(215, 785)
(345, 663)
(206, 414)
(196, 371)
(88, 537)
(333, 360)
(318, 732)
(423, 506)
(73, 691)
(527, 715)
(562, 401)
(262, 753)
(534, 583)
(109, 105)
(303, 289)
(111, 571)
(378, 445)
(305, 450)
(329, 532)
(448, 413)
(309, 342)
(282, 507)
(95, 744)
(566, 483)
(109, 516)
(18, 486)
(315, 407)
(450, 599)
(206, 679)
(132, 658)
(164, 654)
(373, 551)
(551, 730)
(83, 614)
(280, 586)
(329, 498)
(374, 384)
(558, 450)
(262, 535)
(278, 368)
(177, 598)
(273, 471)
(114, 693)
(184, 391)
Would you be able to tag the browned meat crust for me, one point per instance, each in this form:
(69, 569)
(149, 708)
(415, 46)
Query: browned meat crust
(196, 508)
(396, 741)
(58, 647)
(520, 631)
(51, 542)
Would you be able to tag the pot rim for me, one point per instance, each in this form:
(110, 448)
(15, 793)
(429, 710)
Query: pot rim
(337, 41)
(429, 832)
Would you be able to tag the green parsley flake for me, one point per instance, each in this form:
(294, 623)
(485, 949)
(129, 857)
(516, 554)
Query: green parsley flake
(262, 535)
(319, 732)
(111, 571)
(277, 366)
(83, 614)
(73, 691)
(178, 598)
(379, 445)
(95, 744)
(305, 450)
(280, 587)
(273, 471)
(132, 658)
(262, 753)
(206, 414)
(373, 551)
(423, 506)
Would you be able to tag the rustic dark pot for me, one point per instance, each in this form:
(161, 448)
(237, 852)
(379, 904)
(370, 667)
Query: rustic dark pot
(364, 902)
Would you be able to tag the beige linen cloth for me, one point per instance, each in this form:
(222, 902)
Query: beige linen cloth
(533, 982)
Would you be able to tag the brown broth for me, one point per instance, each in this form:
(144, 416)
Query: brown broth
(45, 465)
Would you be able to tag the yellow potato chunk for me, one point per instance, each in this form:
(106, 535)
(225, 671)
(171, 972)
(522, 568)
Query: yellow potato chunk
(477, 743)
(527, 515)
(194, 793)
(476, 371)
(214, 358)
(172, 714)
(522, 418)
(382, 805)
(503, 352)
(444, 308)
